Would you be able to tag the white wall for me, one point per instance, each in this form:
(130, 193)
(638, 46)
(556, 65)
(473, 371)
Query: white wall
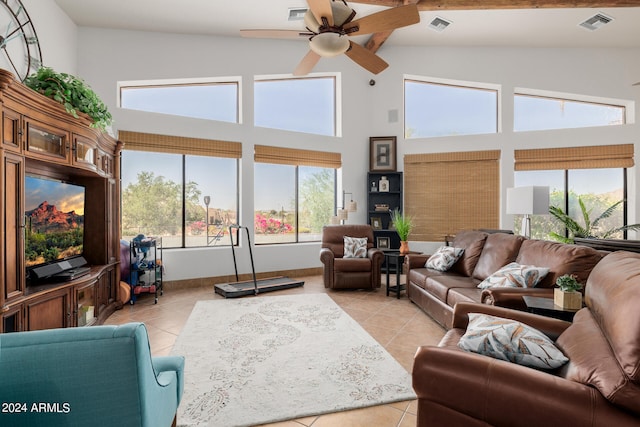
(107, 56)
(56, 33)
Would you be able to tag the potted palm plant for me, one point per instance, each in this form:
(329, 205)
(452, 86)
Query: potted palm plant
(403, 225)
(590, 229)
(567, 294)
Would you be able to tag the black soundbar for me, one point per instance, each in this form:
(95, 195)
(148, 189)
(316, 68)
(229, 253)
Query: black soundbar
(57, 267)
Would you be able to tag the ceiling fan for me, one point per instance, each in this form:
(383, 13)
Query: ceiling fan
(329, 23)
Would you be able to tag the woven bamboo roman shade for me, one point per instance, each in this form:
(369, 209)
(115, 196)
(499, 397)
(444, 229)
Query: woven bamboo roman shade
(591, 157)
(296, 157)
(449, 192)
(179, 144)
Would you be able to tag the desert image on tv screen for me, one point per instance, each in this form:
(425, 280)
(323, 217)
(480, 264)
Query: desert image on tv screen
(54, 220)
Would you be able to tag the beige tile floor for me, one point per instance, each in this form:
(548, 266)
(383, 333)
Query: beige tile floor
(396, 324)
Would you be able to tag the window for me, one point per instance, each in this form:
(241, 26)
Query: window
(594, 175)
(434, 109)
(536, 112)
(189, 199)
(448, 192)
(295, 193)
(297, 104)
(200, 99)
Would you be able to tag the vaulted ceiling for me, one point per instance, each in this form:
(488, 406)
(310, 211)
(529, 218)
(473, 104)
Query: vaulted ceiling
(533, 23)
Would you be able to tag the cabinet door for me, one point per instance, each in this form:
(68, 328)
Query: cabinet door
(105, 163)
(11, 130)
(107, 289)
(84, 152)
(12, 213)
(85, 305)
(50, 311)
(12, 319)
(47, 142)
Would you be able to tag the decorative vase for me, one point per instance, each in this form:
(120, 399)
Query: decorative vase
(570, 300)
(383, 186)
(404, 247)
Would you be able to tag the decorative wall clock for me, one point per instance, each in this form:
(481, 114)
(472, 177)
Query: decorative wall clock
(19, 46)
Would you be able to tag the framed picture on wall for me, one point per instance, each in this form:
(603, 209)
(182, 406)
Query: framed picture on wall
(382, 242)
(382, 153)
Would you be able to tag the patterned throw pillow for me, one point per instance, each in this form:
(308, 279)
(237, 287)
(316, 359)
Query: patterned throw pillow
(512, 341)
(515, 275)
(355, 247)
(444, 258)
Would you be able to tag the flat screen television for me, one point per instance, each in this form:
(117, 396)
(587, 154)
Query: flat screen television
(54, 221)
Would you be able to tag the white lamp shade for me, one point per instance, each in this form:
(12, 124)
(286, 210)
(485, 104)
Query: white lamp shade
(353, 206)
(531, 200)
(343, 214)
(335, 220)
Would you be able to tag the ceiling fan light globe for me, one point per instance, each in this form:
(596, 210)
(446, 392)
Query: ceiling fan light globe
(329, 44)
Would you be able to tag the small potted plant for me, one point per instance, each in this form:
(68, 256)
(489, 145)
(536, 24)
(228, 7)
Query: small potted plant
(403, 225)
(567, 294)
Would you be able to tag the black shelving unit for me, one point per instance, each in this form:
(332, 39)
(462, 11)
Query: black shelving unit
(380, 218)
(145, 272)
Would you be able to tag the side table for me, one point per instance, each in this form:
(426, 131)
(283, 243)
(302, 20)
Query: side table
(546, 307)
(398, 259)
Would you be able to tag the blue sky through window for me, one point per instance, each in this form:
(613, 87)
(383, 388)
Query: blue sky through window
(215, 101)
(301, 105)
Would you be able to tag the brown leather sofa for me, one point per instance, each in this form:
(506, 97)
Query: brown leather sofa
(598, 387)
(438, 292)
(349, 273)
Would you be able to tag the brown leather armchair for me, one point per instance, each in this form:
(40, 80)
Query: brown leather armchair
(598, 387)
(349, 273)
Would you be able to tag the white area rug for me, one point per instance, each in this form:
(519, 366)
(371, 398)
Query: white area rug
(259, 360)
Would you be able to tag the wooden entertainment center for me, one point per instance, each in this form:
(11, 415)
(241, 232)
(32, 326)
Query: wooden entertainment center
(40, 138)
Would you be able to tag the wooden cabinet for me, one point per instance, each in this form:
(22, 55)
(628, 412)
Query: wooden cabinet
(84, 152)
(85, 308)
(46, 142)
(39, 138)
(11, 210)
(48, 311)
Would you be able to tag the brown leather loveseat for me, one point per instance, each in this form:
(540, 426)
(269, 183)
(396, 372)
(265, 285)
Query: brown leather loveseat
(598, 387)
(484, 253)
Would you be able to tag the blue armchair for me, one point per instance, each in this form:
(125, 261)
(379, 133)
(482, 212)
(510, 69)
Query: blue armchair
(99, 375)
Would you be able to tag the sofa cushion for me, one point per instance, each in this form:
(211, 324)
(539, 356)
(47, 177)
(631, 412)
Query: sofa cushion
(444, 258)
(355, 247)
(439, 285)
(499, 250)
(561, 259)
(514, 275)
(352, 264)
(456, 295)
(613, 295)
(592, 361)
(512, 341)
(472, 241)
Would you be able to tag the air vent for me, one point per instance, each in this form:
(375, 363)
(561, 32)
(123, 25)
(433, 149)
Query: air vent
(596, 21)
(439, 24)
(296, 13)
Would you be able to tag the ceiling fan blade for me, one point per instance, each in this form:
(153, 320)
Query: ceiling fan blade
(275, 34)
(306, 65)
(365, 58)
(321, 9)
(636, 84)
(385, 20)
